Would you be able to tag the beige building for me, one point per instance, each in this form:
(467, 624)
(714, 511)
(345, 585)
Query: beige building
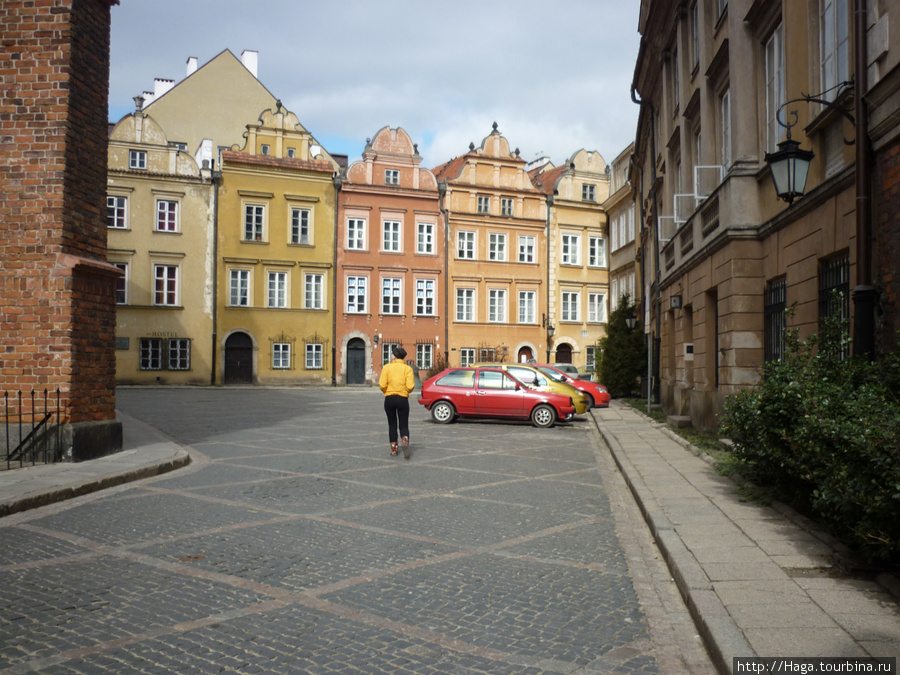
(160, 226)
(718, 82)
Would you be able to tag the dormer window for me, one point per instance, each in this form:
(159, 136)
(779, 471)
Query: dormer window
(264, 149)
(137, 159)
(484, 204)
(588, 193)
(291, 153)
(391, 177)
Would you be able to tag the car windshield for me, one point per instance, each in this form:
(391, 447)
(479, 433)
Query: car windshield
(527, 376)
(552, 374)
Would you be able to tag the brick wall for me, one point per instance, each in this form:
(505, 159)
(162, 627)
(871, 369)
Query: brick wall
(886, 241)
(57, 293)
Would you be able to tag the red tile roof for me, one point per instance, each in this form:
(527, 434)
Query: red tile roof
(269, 160)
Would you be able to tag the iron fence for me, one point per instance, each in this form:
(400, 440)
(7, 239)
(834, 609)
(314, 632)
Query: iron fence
(31, 425)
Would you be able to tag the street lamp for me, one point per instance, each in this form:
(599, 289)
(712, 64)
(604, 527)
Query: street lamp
(790, 167)
(631, 321)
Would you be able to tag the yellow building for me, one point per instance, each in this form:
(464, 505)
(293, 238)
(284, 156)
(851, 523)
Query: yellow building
(497, 268)
(159, 210)
(276, 247)
(578, 254)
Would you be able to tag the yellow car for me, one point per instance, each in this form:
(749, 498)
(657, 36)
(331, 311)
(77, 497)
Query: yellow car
(534, 378)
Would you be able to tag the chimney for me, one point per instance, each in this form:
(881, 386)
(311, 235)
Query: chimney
(161, 86)
(250, 59)
(191, 65)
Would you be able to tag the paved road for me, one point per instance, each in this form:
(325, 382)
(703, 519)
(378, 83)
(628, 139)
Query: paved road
(295, 543)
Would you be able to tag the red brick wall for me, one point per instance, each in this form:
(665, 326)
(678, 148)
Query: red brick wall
(57, 300)
(886, 240)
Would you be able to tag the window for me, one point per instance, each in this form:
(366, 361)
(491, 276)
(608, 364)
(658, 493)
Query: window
(494, 379)
(465, 304)
(597, 252)
(834, 45)
(676, 81)
(166, 215)
(775, 319)
(484, 204)
(695, 34)
(497, 247)
(277, 290)
(116, 212)
(137, 159)
(591, 353)
(570, 253)
(166, 282)
(630, 228)
(596, 308)
(152, 353)
(497, 305)
(458, 378)
(239, 288)
(314, 295)
(356, 295)
(291, 153)
(387, 349)
(466, 245)
(391, 238)
(506, 206)
(390, 295)
(466, 356)
(122, 284)
(315, 356)
(300, 226)
(356, 234)
(254, 218)
(424, 356)
(391, 177)
(527, 302)
(425, 238)
(774, 87)
(834, 288)
(723, 5)
(281, 356)
(570, 302)
(179, 354)
(526, 249)
(614, 233)
(588, 193)
(725, 113)
(425, 297)
(165, 354)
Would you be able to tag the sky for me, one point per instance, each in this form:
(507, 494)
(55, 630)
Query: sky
(555, 75)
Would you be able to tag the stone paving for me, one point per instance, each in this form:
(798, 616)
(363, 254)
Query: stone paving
(294, 543)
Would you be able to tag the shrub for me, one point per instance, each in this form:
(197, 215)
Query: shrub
(623, 352)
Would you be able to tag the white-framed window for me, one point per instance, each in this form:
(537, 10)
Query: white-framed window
(623, 229)
(506, 206)
(165, 354)
(179, 353)
(122, 284)
(526, 248)
(314, 291)
(725, 115)
(391, 295)
(484, 204)
(570, 306)
(116, 212)
(695, 34)
(165, 279)
(300, 226)
(596, 307)
(152, 353)
(166, 215)
(467, 356)
(614, 294)
(356, 234)
(774, 86)
(391, 238)
(137, 159)
(614, 233)
(588, 192)
(676, 81)
(239, 288)
(424, 356)
(527, 307)
(254, 222)
(315, 353)
(425, 238)
(591, 352)
(571, 253)
(465, 245)
(281, 356)
(465, 304)
(291, 153)
(629, 232)
(277, 290)
(265, 149)
(834, 45)
(392, 177)
(497, 305)
(597, 252)
(425, 297)
(387, 349)
(497, 247)
(356, 294)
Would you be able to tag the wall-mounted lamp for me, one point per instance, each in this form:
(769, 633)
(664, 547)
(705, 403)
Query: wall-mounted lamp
(631, 321)
(675, 302)
(545, 323)
(375, 339)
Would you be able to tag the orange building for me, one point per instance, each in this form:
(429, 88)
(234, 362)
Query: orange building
(390, 261)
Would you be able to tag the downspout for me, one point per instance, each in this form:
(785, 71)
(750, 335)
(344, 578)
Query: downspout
(336, 179)
(215, 178)
(442, 192)
(645, 300)
(546, 332)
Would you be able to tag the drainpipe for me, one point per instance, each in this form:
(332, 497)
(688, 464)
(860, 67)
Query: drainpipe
(645, 299)
(546, 333)
(216, 179)
(442, 192)
(337, 193)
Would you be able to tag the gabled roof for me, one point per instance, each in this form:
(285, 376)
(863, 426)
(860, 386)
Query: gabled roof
(451, 169)
(545, 181)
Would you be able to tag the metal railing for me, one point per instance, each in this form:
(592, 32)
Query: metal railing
(32, 428)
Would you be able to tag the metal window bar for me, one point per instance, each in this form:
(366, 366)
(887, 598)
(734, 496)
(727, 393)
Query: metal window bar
(39, 444)
(834, 292)
(775, 319)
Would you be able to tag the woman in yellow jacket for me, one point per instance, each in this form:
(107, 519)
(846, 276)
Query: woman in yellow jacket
(396, 382)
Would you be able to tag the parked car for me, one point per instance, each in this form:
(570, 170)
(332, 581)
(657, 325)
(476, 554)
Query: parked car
(490, 392)
(537, 380)
(587, 373)
(597, 394)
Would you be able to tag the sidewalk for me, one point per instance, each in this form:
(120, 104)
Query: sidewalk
(757, 581)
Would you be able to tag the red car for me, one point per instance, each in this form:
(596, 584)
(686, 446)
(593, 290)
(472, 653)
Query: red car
(490, 392)
(597, 395)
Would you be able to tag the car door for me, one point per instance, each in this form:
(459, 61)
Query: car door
(498, 395)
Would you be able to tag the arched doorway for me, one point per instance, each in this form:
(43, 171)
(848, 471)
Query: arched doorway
(239, 359)
(356, 361)
(525, 355)
(564, 353)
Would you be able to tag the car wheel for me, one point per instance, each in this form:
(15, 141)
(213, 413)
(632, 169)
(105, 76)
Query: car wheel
(543, 416)
(590, 401)
(443, 412)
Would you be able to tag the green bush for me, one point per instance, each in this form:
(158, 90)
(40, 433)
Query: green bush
(823, 427)
(623, 352)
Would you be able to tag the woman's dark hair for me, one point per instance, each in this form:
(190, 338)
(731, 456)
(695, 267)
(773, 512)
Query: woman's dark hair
(399, 352)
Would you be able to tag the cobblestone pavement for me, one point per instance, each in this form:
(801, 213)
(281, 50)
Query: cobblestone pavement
(295, 544)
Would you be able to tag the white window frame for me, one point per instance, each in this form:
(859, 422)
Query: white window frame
(254, 222)
(239, 281)
(597, 308)
(116, 212)
(166, 274)
(281, 356)
(167, 216)
(497, 312)
(122, 283)
(276, 289)
(137, 160)
(313, 290)
(392, 296)
(497, 247)
(725, 120)
(151, 353)
(570, 249)
(466, 244)
(506, 206)
(597, 254)
(178, 353)
(465, 305)
(588, 192)
(527, 244)
(834, 45)
(424, 356)
(392, 177)
(356, 234)
(315, 356)
(570, 306)
(357, 292)
(774, 62)
(392, 236)
(484, 204)
(425, 296)
(528, 307)
(301, 225)
(467, 356)
(425, 238)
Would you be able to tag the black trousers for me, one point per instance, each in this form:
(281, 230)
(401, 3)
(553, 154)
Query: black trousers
(397, 410)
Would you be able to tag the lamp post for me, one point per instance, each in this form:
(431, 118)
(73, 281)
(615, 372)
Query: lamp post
(545, 322)
(790, 167)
